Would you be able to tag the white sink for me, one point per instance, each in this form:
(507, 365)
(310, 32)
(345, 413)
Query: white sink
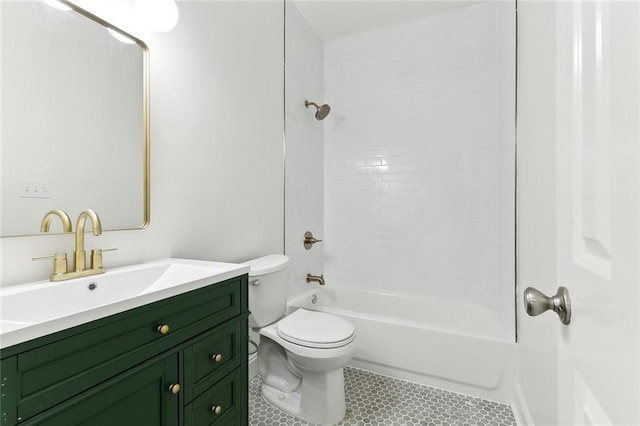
(36, 309)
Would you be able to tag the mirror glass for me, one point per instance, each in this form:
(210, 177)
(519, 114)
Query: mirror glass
(74, 120)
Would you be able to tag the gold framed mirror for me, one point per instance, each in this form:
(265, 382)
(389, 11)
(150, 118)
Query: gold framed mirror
(75, 119)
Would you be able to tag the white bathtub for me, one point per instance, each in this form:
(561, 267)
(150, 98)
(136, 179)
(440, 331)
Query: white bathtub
(460, 347)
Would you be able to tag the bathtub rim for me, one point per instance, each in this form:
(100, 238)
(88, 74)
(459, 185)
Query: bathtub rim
(508, 334)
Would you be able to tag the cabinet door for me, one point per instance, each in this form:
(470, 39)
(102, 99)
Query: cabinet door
(138, 397)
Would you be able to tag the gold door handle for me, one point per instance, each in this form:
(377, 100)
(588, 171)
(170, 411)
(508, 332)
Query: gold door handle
(163, 329)
(216, 409)
(174, 388)
(217, 357)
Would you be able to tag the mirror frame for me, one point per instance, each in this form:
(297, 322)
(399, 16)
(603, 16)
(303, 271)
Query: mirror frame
(146, 175)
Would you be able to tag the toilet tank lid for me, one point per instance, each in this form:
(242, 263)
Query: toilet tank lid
(267, 264)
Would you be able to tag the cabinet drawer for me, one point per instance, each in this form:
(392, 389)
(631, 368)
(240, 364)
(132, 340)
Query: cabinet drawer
(57, 371)
(212, 356)
(226, 394)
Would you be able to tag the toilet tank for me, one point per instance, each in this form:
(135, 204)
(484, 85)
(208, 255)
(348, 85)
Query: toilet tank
(268, 289)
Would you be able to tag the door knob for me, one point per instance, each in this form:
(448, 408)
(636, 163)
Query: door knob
(535, 302)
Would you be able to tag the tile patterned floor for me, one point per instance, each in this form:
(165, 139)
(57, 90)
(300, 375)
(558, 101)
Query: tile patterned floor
(376, 400)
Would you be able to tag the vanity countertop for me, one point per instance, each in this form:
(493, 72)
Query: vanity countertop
(32, 310)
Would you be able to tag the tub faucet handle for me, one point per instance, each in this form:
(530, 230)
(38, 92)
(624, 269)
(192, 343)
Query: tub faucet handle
(309, 240)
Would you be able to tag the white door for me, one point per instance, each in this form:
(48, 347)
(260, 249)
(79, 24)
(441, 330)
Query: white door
(598, 215)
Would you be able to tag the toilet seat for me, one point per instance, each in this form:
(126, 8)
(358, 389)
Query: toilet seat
(315, 329)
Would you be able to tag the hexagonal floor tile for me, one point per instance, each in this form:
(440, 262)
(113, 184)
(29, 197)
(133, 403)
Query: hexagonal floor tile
(377, 400)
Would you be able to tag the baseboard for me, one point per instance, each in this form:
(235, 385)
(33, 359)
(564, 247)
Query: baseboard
(520, 408)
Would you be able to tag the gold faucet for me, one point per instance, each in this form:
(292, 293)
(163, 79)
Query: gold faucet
(314, 278)
(79, 256)
(64, 217)
(79, 268)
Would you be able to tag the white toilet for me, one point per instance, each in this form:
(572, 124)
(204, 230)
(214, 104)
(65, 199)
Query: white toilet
(301, 356)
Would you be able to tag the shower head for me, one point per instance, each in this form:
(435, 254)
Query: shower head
(321, 110)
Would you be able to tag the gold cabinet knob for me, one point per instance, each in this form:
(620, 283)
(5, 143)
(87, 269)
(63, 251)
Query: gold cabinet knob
(217, 357)
(216, 409)
(163, 329)
(174, 388)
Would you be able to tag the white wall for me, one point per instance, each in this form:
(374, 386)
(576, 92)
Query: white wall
(419, 158)
(536, 399)
(216, 146)
(305, 150)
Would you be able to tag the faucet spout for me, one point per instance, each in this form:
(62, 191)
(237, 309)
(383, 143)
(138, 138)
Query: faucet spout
(314, 278)
(64, 217)
(79, 253)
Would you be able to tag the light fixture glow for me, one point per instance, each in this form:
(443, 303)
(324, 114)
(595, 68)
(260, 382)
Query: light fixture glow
(56, 4)
(160, 15)
(136, 17)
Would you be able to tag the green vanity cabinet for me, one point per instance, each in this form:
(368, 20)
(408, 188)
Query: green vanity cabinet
(178, 361)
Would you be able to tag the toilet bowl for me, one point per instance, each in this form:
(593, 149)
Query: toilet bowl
(301, 356)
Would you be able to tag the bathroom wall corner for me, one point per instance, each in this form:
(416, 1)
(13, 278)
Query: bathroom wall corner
(304, 165)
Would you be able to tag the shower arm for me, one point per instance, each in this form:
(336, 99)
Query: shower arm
(307, 103)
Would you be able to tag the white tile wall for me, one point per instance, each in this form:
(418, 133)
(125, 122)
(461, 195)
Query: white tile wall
(419, 158)
(304, 149)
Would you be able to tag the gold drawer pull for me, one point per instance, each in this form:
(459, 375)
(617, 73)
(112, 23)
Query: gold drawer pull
(217, 357)
(216, 409)
(163, 329)
(174, 388)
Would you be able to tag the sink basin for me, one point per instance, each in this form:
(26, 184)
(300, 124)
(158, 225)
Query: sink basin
(35, 309)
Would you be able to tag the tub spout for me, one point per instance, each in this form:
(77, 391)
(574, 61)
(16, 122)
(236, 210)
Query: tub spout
(315, 278)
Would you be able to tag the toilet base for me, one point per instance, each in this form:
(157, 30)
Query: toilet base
(287, 402)
(312, 402)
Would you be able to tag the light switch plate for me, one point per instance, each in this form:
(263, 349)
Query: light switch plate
(34, 189)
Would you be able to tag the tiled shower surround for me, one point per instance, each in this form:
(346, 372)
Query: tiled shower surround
(419, 158)
(378, 400)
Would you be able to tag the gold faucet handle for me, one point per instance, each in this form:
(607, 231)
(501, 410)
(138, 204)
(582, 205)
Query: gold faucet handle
(59, 262)
(96, 257)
